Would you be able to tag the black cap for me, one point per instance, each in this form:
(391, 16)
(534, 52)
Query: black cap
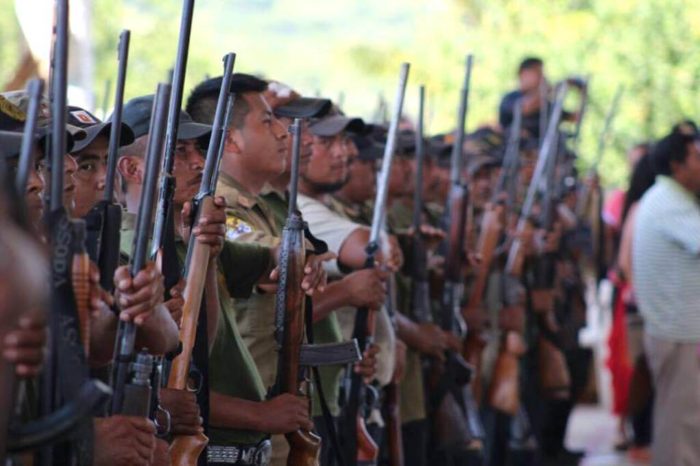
(440, 149)
(137, 115)
(10, 144)
(93, 127)
(485, 141)
(368, 148)
(304, 107)
(335, 124)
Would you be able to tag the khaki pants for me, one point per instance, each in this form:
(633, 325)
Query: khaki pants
(675, 368)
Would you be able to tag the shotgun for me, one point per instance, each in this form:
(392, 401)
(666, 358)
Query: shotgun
(131, 376)
(184, 450)
(358, 447)
(456, 425)
(104, 220)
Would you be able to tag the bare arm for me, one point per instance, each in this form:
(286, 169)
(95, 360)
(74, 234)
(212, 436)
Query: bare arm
(282, 414)
(158, 333)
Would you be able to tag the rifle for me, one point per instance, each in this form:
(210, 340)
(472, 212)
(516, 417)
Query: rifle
(305, 446)
(132, 372)
(104, 219)
(358, 446)
(66, 356)
(420, 287)
(457, 427)
(392, 392)
(583, 200)
(185, 450)
(163, 246)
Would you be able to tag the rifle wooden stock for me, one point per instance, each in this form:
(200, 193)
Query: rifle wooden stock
(491, 228)
(304, 448)
(185, 449)
(472, 348)
(80, 275)
(504, 392)
(392, 403)
(555, 380)
(367, 449)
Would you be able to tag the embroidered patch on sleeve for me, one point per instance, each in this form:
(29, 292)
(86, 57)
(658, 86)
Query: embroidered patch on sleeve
(235, 228)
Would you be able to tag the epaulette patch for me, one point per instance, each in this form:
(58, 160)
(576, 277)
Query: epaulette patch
(235, 228)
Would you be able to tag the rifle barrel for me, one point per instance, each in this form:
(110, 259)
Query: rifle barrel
(115, 134)
(420, 159)
(34, 90)
(155, 149)
(457, 158)
(607, 126)
(295, 129)
(59, 85)
(218, 128)
(510, 160)
(178, 84)
(383, 179)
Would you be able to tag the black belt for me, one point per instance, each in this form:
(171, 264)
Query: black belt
(241, 455)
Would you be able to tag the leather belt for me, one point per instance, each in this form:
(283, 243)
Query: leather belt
(242, 455)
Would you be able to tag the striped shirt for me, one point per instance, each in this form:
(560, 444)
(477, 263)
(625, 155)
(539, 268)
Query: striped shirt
(666, 261)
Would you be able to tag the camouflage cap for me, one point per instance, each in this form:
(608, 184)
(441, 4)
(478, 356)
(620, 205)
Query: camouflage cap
(286, 102)
(20, 100)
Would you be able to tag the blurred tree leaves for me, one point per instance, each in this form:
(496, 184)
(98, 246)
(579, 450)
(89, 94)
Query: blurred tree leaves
(652, 47)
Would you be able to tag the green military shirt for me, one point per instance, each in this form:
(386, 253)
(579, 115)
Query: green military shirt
(232, 371)
(400, 218)
(326, 330)
(249, 220)
(239, 280)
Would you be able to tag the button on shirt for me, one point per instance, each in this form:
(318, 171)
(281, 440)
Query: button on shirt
(666, 261)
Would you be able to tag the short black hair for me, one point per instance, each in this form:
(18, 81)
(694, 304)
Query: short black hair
(673, 147)
(530, 63)
(201, 103)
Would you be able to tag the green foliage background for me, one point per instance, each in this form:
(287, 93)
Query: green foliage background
(351, 49)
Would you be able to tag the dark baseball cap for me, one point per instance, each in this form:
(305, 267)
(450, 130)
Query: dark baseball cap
(336, 124)
(304, 107)
(440, 149)
(20, 101)
(93, 127)
(137, 115)
(10, 144)
(478, 161)
(368, 148)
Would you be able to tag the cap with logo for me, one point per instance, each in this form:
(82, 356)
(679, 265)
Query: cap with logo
(137, 114)
(93, 128)
(20, 100)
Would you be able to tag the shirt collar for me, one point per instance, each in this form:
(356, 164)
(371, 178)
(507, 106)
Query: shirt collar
(245, 198)
(674, 185)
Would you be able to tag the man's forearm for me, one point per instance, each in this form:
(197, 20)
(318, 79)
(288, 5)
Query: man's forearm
(333, 297)
(103, 331)
(234, 413)
(406, 330)
(159, 333)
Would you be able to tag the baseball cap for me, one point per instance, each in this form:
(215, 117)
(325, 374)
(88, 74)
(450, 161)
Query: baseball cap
(20, 100)
(335, 124)
(368, 148)
(440, 149)
(286, 102)
(137, 115)
(93, 127)
(10, 144)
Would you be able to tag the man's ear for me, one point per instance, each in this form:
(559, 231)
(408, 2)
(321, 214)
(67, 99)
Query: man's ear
(233, 142)
(131, 169)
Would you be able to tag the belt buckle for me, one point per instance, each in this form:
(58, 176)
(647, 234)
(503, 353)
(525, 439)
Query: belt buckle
(263, 455)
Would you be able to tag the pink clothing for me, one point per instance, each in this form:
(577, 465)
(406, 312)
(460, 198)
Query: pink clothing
(612, 209)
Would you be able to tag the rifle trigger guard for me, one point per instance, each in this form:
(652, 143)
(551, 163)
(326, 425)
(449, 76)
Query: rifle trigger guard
(163, 430)
(196, 376)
